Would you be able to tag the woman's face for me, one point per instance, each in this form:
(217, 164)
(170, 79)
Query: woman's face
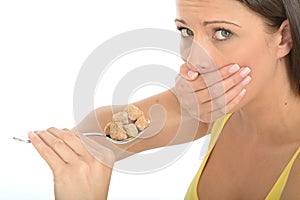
(230, 33)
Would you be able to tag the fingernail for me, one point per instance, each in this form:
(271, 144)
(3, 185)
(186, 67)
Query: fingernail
(192, 75)
(245, 71)
(234, 68)
(247, 80)
(31, 134)
(242, 93)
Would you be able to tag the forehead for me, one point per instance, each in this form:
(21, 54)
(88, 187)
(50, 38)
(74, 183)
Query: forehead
(214, 4)
(198, 9)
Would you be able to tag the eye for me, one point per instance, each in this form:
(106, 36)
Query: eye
(185, 32)
(222, 34)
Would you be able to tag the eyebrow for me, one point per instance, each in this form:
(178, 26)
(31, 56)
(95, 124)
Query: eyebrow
(181, 21)
(205, 23)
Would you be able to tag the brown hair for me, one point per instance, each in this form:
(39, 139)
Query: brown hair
(275, 12)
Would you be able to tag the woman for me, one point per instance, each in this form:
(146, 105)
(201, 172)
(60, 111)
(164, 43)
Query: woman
(254, 152)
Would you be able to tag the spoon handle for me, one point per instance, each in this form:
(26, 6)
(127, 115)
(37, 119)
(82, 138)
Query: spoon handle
(94, 134)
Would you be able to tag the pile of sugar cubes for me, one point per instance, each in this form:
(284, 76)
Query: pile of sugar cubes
(126, 124)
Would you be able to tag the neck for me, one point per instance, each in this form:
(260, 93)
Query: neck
(274, 113)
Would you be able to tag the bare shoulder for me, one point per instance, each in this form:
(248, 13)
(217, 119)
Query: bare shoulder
(292, 188)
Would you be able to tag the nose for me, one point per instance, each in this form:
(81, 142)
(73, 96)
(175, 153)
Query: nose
(197, 57)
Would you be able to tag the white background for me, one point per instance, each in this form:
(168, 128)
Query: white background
(42, 47)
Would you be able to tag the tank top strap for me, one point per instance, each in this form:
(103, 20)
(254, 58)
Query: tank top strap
(215, 132)
(278, 187)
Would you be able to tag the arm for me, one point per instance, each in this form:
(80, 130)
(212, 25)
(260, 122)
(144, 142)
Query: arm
(169, 124)
(80, 175)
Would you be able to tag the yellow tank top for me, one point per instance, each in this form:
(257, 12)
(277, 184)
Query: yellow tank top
(275, 192)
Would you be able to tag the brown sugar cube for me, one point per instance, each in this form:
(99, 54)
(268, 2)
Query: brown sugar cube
(107, 128)
(121, 117)
(141, 123)
(117, 132)
(131, 130)
(134, 112)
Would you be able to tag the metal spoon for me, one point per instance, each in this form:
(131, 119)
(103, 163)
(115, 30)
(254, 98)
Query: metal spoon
(130, 139)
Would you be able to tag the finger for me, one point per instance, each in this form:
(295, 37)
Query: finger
(182, 86)
(74, 131)
(61, 133)
(237, 78)
(216, 96)
(216, 77)
(222, 100)
(72, 140)
(236, 92)
(47, 153)
(229, 70)
(235, 101)
(220, 77)
(229, 107)
(215, 91)
(210, 77)
(211, 93)
(213, 109)
(59, 147)
(188, 73)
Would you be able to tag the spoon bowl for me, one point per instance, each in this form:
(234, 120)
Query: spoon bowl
(129, 139)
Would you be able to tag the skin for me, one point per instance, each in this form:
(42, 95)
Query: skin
(75, 166)
(77, 174)
(264, 124)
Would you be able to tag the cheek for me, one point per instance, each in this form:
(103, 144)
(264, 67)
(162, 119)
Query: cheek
(260, 60)
(254, 54)
(248, 52)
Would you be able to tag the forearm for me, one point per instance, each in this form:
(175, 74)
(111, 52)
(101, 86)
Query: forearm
(168, 124)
